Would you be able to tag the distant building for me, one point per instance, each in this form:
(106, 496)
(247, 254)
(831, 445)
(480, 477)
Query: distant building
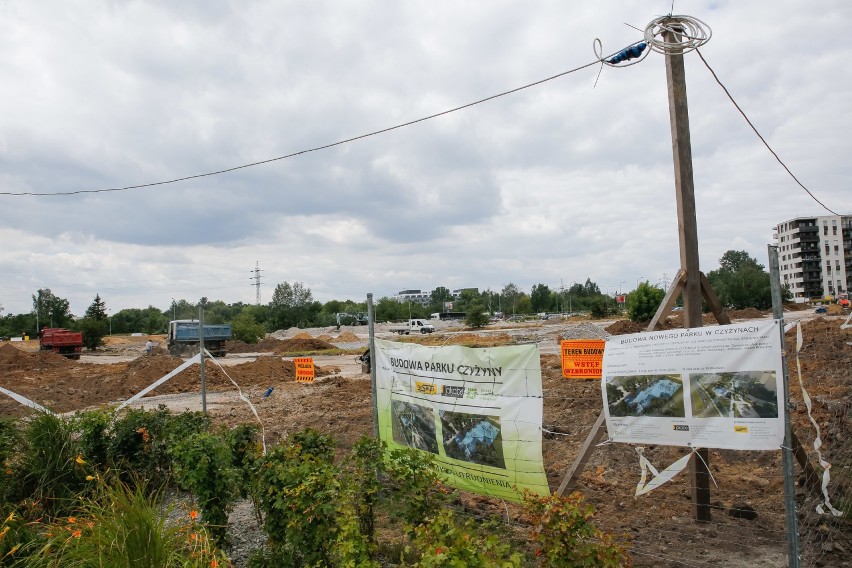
(413, 296)
(458, 292)
(815, 255)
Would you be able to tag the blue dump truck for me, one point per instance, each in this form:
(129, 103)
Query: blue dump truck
(182, 337)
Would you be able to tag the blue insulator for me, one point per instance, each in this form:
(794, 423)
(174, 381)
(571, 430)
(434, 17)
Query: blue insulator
(631, 52)
(268, 392)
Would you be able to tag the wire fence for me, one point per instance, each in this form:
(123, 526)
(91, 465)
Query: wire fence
(747, 526)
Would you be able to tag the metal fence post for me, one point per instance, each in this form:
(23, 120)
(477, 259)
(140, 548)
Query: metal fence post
(787, 449)
(201, 357)
(372, 343)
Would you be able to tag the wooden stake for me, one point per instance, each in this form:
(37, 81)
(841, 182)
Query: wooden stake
(688, 236)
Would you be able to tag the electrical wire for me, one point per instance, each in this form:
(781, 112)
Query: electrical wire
(688, 33)
(762, 139)
(306, 151)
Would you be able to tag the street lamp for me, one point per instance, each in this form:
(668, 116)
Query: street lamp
(621, 287)
(638, 279)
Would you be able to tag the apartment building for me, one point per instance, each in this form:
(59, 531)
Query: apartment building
(815, 254)
(413, 296)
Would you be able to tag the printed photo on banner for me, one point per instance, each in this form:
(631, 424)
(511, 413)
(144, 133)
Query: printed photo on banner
(709, 387)
(477, 411)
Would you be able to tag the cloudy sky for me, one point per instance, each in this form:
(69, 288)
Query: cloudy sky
(553, 184)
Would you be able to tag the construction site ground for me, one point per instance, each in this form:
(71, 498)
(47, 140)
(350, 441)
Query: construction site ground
(659, 525)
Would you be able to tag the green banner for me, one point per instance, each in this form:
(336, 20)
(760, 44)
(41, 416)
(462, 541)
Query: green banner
(478, 411)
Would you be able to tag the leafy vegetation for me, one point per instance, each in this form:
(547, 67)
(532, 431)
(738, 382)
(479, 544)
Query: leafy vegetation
(76, 493)
(643, 302)
(741, 282)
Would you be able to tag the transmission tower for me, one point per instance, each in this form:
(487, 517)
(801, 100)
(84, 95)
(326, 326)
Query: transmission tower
(256, 281)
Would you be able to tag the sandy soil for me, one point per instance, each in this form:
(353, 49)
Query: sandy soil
(659, 525)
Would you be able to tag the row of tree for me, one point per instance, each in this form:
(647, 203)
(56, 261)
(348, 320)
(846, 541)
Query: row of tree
(739, 282)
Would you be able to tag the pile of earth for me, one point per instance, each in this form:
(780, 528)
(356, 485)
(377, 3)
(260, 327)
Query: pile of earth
(12, 358)
(464, 339)
(272, 345)
(302, 344)
(66, 386)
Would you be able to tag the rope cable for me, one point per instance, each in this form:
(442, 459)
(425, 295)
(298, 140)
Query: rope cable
(308, 150)
(762, 139)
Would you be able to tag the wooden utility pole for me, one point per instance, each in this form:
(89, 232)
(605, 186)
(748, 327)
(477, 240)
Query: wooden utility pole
(688, 236)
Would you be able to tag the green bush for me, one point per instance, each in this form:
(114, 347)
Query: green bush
(643, 302)
(565, 536)
(446, 542)
(202, 464)
(138, 444)
(415, 492)
(301, 498)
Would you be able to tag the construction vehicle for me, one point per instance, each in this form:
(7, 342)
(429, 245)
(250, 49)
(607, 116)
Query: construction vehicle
(62, 341)
(182, 337)
(414, 325)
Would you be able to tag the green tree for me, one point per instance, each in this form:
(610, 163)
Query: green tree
(97, 310)
(388, 309)
(741, 282)
(291, 305)
(540, 298)
(94, 325)
(440, 295)
(642, 303)
(476, 316)
(51, 310)
(509, 296)
(246, 328)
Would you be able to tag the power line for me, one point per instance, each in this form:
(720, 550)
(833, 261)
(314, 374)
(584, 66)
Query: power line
(307, 151)
(762, 139)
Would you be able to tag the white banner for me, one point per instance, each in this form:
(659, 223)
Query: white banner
(478, 411)
(709, 387)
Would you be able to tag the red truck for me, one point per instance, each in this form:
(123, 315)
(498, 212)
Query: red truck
(63, 341)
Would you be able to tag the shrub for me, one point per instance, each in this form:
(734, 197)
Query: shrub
(415, 490)
(93, 428)
(565, 535)
(643, 302)
(301, 498)
(476, 316)
(138, 444)
(445, 542)
(367, 463)
(202, 464)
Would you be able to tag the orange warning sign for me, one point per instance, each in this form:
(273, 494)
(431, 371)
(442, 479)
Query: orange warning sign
(582, 358)
(305, 371)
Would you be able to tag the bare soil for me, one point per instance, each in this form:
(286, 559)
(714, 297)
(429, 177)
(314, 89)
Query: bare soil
(659, 525)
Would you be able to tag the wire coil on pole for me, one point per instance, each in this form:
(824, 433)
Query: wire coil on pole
(689, 32)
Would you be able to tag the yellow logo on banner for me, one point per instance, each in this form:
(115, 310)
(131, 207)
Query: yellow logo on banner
(425, 388)
(305, 371)
(582, 358)
(741, 429)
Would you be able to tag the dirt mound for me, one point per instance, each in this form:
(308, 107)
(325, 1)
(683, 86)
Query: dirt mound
(302, 335)
(347, 337)
(324, 337)
(298, 344)
(748, 313)
(622, 327)
(12, 358)
(265, 345)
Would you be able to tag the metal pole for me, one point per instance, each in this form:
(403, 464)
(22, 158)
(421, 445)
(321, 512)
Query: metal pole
(372, 342)
(201, 357)
(787, 447)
